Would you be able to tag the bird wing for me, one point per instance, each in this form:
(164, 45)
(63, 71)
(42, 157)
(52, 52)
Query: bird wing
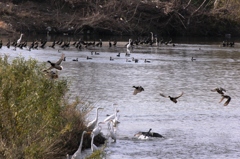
(60, 60)
(228, 101)
(136, 91)
(50, 68)
(179, 96)
(221, 99)
(161, 94)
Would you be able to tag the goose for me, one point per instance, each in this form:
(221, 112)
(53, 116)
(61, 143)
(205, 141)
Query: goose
(91, 125)
(228, 99)
(173, 99)
(118, 55)
(97, 53)
(220, 90)
(137, 89)
(57, 64)
(77, 154)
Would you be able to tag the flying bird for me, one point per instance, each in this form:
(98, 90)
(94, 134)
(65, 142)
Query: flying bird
(174, 99)
(228, 99)
(220, 90)
(57, 64)
(137, 89)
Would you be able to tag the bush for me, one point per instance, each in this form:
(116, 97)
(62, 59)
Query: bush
(36, 121)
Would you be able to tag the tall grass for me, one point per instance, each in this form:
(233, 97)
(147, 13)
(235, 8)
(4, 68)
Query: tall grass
(36, 119)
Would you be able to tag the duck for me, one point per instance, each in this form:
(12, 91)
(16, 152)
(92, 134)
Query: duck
(228, 99)
(111, 59)
(193, 59)
(75, 59)
(56, 65)
(137, 89)
(118, 55)
(220, 90)
(147, 61)
(127, 60)
(97, 53)
(173, 99)
(89, 58)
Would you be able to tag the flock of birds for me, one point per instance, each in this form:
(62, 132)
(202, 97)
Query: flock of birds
(94, 127)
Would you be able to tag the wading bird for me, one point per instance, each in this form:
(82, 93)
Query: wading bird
(91, 125)
(77, 154)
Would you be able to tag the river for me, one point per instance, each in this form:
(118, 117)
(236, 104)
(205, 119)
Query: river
(197, 126)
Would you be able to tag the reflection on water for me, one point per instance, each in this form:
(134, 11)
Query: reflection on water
(198, 126)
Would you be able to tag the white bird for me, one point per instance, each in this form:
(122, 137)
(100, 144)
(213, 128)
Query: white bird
(91, 125)
(77, 154)
(93, 146)
(19, 40)
(112, 131)
(129, 44)
(113, 117)
(97, 129)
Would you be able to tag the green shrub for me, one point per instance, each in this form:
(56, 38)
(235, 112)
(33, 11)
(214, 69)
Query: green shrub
(36, 120)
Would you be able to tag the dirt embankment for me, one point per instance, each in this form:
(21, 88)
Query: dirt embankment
(164, 18)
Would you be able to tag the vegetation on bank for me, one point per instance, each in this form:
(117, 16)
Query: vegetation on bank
(36, 119)
(128, 17)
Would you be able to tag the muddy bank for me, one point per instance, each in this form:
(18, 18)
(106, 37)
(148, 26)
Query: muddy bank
(178, 18)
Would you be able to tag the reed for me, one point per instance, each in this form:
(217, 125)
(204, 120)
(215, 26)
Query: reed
(36, 119)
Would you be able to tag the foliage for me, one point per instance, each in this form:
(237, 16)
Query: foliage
(36, 121)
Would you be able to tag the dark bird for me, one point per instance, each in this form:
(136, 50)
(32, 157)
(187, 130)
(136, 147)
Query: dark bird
(0, 44)
(137, 89)
(89, 58)
(174, 99)
(220, 90)
(57, 64)
(193, 59)
(228, 99)
(148, 134)
(111, 59)
(118, 55)
(51, 74)
(147, 61)
(75, 59)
